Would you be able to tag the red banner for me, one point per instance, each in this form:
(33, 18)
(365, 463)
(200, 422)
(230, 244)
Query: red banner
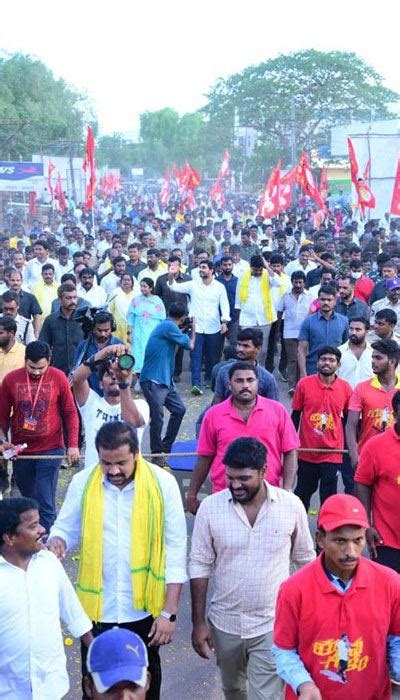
(224, 170)
(323, 184)
(50, 179)
(286, 188)
(217, 193)
(269, 205)
(364, 195)
(58, 190)
(306, 180)
(165, 189)
(395, 205)
(89, 163)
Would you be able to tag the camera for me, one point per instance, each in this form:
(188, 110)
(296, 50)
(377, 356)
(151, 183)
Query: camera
(124, 361)
(85, 316)
(186, 325)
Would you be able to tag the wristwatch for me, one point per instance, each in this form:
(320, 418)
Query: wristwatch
(91, 363)
(123, 385)
(168, 616)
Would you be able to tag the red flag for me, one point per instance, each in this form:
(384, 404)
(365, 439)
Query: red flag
(32, 203)
(89, 162)
(306, 180)
(364, 195)
(194, 178)
(395, 205)
(367, 170)
(60, 193)
(269, 205)
(217, 193)
(323, 184)
(187, 201)
(224, 169)
(286, 189)
(50, 179)
(165, 189)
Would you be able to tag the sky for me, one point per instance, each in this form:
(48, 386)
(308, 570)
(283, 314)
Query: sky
(135, 56)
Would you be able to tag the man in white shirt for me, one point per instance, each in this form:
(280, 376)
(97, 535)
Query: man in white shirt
(239, 266)
(112, 278)
(25, 333)
(256, 308)
(120, 467)
(116, 404)
(355, 364)
(35, 594)
(32, 273)
(303, 263)
(95, 295)
(295, 306)
(209, 306)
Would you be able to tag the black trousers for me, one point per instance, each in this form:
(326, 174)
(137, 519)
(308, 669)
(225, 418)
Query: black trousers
(389, 556)
(272, 347)
(310, 475)
(158, 396)
(142, 629)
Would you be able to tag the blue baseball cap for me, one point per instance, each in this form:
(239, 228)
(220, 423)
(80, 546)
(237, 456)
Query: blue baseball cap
(117, 655)
(393, 283)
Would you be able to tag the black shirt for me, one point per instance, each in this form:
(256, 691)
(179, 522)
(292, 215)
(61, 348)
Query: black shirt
(164, 291)
(134, 269)
(356, 309)
(28, 305)
(63, 335)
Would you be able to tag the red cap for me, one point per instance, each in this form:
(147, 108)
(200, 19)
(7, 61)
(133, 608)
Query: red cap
(341, 510)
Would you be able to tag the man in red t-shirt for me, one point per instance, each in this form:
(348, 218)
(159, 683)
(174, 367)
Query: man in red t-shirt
(378, 488)
(37, 402)
(337, 624)
(320, 401)
(372, 400)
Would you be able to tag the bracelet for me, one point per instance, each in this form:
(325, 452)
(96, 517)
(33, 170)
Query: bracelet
(123, 385)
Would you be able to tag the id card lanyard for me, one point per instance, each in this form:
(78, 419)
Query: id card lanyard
(31, 422)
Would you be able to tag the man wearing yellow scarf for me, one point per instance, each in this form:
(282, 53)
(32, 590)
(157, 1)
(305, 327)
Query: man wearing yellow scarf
(254, 299)
(129, 518)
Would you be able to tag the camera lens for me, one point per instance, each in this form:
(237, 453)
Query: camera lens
(126, 361)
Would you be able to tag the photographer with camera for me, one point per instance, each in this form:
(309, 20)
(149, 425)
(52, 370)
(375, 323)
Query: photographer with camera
(115, 377)
(156, 377)
(98, 326)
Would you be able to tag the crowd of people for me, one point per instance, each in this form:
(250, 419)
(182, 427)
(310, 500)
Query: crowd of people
(292, 331)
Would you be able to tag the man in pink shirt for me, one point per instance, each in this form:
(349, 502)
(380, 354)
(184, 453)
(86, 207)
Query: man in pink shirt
(244, 414)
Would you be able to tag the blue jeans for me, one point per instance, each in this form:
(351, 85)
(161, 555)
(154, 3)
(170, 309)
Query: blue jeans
(158, 396)
(211, 344)
(37, 478)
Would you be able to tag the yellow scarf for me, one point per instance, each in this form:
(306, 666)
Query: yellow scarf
(147, 543)
(265, 293)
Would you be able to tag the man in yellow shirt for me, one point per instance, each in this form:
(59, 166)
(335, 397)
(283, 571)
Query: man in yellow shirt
(12, 353)
(46, 290)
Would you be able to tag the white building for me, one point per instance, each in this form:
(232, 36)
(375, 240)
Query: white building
(379, 142)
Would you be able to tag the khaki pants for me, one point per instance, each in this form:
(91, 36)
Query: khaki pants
(248, 669)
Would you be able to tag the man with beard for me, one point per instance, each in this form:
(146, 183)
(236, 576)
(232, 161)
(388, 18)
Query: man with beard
(355, 363)
(320, 401)
(101, 337)
(12, 353)
(245, 537)
(348, 305)
(36, 594)
(248, 414)
(229, 280)
(61, 331)
(87, 290)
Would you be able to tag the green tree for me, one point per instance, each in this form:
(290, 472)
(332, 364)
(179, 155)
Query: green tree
(39, 113)
(304, 93)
